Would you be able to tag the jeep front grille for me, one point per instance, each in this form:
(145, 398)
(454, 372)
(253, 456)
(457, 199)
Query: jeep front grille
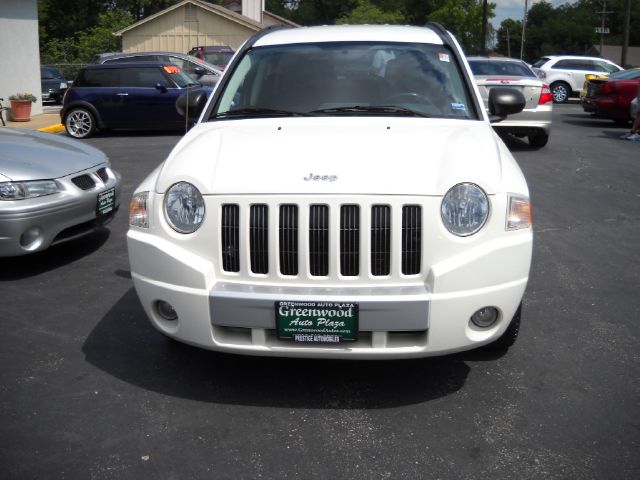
(311, 242)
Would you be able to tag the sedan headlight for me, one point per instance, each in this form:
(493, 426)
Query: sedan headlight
(464, 209)
(24, 190)
(184, 207)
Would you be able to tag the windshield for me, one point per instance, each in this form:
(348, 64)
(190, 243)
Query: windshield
(497, 67)
(219, 58)
(630, 74)
(178, 76)
(342, 78)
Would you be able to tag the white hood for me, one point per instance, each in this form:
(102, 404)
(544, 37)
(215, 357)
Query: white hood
(338, 155)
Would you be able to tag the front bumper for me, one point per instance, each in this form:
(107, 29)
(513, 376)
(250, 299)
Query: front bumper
(31, 225)
(399, 317)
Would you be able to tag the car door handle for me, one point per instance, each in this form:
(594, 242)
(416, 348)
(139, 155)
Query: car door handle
(122, 94)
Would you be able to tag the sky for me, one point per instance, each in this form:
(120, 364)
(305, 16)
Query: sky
(515, 9)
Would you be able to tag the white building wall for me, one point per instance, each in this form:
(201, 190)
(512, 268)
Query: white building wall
(253, 9)
(19, 50)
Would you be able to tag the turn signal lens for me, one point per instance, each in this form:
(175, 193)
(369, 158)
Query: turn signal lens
(138, 214)
(518, 212)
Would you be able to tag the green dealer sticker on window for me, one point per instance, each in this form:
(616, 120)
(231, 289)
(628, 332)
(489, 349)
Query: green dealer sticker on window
(317, 322)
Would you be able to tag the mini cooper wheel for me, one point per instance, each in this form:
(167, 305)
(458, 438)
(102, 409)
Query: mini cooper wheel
(560, 92)
(80, 123)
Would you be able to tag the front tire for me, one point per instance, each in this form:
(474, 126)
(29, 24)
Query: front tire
(560, 92)
(508, 338)
(80, 123)
(538, 139)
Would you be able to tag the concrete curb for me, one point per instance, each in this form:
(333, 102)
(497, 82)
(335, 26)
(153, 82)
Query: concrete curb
(53, 129)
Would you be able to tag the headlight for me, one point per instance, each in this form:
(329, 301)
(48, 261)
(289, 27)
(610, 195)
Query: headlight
(464, 209)
(24, 190)
(518, 212)
(184, 207)
(138, 213)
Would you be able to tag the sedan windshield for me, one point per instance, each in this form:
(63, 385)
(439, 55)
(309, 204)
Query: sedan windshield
(493, 67)
(346, 79)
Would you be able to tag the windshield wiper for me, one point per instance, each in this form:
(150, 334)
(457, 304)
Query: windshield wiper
(259, 112)
(374, 110)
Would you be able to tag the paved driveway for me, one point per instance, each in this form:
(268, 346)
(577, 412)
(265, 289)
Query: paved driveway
(90, 390)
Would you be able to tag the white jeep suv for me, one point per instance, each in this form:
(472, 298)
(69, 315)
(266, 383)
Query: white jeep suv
(342, 195)
(565, 73)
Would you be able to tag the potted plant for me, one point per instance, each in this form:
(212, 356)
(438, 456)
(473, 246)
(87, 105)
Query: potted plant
(21, 106)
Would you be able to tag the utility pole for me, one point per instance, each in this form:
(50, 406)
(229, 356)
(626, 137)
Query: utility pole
(625, 32)
(508, 44)
(483, 48)
(524, 29)
(603, 14)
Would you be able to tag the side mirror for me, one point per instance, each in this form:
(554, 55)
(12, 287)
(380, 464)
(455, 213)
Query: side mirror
(191, 103)
(161, 87)
(504, 101)
(199, 71)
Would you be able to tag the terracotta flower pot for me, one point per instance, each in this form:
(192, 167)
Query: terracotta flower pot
(21, 110)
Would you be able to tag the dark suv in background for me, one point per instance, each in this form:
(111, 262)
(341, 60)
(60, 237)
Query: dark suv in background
(137, 95)
(200, 70)
(218, 55)
(53, 84)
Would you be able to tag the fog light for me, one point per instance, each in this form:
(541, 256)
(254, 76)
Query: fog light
(485, 317)
(32, 238)
(166, 311)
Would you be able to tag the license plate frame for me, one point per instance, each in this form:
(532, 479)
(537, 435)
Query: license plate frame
(106, 202)
(317, 322)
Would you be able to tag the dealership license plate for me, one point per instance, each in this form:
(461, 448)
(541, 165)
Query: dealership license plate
(106, 201)
(317, 322)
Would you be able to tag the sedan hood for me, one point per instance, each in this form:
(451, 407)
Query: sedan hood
(338, 155)
(30, 155)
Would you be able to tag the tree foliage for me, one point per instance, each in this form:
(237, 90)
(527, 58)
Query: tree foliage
(367, 13)
(567, 28)
(73, 31)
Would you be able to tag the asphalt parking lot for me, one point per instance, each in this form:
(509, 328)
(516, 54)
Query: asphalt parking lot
(90, 390)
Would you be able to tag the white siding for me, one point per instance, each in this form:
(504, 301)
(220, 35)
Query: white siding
(178, 31)
(19, 50)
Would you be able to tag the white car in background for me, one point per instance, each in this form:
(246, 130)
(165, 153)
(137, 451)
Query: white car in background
(534, 122)
(318, 209)
(565, 74)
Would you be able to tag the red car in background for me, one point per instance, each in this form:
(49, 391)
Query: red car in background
(611, 97)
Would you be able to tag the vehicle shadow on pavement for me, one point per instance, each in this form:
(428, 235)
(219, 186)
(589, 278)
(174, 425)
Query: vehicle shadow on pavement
(585, 120)
(125, 345)
(16, 268)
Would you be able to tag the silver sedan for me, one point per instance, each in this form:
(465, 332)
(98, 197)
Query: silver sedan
(534, 122)
(52, 189)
